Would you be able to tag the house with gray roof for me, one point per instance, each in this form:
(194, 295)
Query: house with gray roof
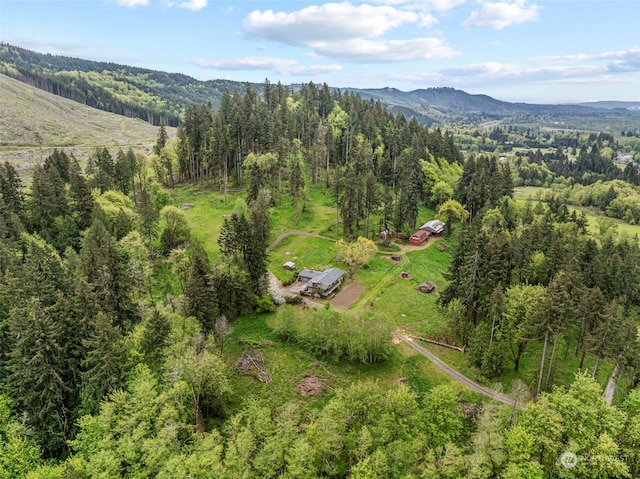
(321, 284)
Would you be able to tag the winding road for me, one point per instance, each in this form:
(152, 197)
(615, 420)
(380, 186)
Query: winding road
(458, 376)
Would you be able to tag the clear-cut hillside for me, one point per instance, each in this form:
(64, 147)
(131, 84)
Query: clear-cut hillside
(33, 122)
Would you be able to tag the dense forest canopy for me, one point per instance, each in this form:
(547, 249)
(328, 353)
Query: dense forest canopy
(118, 356)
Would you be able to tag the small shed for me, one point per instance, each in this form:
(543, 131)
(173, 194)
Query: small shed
(427, 287)
(289, 265)
(434, 227)
(419, 237)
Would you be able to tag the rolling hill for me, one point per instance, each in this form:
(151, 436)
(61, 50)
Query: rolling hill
(161, 97)
(33, 122)
(150, 95)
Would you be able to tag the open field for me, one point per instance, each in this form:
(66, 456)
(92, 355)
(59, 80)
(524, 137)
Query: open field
(288, 363)
(533, 193)
(383, 294)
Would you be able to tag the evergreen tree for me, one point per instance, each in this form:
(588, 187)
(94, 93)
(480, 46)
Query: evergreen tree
(410, 191)
(81, 201)
(198, 291)
(244, 241)
(149, 215)
(11, 189)
(231, 290)
(123, 171)
(103, 168)
(36, 370)
(104, 369)
(102, 264)
(48, 201)
(296, 167)
(154, 339)
(161, 142)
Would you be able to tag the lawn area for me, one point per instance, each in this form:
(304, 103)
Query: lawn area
(396, 299)
(530, 192)
(305, 251)
(206, 215)
(318, 217)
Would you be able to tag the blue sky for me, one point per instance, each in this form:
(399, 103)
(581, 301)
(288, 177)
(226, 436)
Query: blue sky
(544, 51)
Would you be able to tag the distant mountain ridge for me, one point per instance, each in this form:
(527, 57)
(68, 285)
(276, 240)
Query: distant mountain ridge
(161, 97)
(150, 95)
(613, 105)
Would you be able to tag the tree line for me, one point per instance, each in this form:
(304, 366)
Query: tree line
(532, 273)
(78, 280)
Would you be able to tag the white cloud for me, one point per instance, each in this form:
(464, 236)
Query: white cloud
(331, 22)
(505, 73)
(345, 31)
(132, 3)
(423, 5)
(247, 63)
(388, 51)
(313, 70)
(192, 5)
(282, 66)
(621, 60)
(498, 15)
(427, 20)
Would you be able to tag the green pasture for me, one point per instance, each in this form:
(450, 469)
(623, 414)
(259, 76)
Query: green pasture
(289, 363)
(525, 193)
(388, 297)
(305, 251)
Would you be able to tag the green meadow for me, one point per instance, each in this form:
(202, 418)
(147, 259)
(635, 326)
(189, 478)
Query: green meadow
(388, 297)
(538, 193)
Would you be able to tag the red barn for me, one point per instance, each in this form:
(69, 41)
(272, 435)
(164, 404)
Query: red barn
(419, 238)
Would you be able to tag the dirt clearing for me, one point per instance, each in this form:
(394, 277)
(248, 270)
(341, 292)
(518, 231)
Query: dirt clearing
(347, 296)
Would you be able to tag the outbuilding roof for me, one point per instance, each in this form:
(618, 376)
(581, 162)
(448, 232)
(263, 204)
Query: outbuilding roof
(434, 226)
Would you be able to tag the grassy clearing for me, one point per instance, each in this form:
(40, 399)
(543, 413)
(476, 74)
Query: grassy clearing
(206, 215)
(318, 216)
(289, 363)
(396, 299)
(304, 251)
(532, 193)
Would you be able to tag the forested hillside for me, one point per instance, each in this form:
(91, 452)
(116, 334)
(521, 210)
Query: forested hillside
(161, 97)
(143, 334)
(156, 97)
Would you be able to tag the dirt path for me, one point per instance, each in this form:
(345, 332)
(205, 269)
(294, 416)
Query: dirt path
(456, 375)
(406, 247)
(610, 390)
(291, 291)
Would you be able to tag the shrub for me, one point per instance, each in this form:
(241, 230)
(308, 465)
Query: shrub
(342, 335)
(293, 299)
(265, 304)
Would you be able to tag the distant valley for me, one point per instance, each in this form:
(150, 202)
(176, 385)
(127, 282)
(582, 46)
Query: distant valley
(161, 97)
